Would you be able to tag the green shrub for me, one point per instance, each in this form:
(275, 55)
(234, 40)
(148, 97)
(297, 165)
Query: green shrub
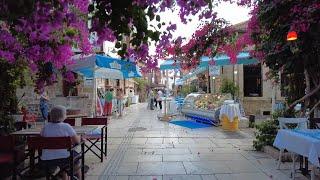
(267, 131)
(265, 134)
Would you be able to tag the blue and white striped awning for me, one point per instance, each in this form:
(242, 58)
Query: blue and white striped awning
(169, 65)
(99, 66)
(220, 60)
(223, 60)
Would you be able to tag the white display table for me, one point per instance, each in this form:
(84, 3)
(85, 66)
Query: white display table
(231, 110)
(167, 109)
(230, 116)
(135, 99)
(172, 107)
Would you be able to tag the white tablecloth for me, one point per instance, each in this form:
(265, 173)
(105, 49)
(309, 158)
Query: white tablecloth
(135, 99)
(300, 144)
(230, 110)
(172, 107)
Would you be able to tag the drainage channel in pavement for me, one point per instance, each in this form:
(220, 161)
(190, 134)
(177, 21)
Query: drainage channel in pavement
(116, 159)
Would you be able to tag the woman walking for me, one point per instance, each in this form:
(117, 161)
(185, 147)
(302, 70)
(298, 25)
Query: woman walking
(120, 102)
(108, 102)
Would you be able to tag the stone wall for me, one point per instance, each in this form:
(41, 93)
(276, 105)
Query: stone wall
(83, 102)
(252, 105)
(256, 106)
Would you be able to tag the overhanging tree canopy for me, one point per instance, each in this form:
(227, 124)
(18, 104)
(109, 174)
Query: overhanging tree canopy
(298, 60)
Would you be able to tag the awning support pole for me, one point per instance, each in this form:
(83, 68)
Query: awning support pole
(94, 94)
(209, 84)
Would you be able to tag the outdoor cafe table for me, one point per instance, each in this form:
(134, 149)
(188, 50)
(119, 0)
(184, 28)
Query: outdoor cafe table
(80, 130)
(303, 142)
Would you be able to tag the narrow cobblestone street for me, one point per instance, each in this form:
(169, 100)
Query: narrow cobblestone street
(142, 147)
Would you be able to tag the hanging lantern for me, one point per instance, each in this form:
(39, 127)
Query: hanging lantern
(292, 36)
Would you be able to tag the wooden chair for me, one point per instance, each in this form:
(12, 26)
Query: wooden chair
(38, 143)
(71, 121)
(314, 123)
(93, 139)
(291, 123)
(30, 118)
(10, 157)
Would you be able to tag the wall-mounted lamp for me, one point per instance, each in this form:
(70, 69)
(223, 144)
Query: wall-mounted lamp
(292, 36)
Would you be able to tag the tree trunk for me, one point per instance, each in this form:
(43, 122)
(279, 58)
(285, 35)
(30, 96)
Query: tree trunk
(308, 87)
(315, 90)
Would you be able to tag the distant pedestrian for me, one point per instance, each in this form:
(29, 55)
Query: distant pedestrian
(120, 102)
(151, 99)
(159, 98)
(108, 96)
(155, 98)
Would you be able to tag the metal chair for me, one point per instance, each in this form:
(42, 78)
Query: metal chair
(30, 118)
(291, 123)
(314, 123)
(38, 143)
(93, 139)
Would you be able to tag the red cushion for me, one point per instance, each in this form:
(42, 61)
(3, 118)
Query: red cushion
(6, 158)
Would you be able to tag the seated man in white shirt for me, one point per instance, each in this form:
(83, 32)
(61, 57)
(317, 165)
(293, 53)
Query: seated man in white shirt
(57, 128)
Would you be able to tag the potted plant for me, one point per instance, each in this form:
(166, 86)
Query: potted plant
(228, 86)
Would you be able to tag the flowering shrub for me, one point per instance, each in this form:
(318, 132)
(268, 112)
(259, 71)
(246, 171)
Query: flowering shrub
(44, 34)
(205, 41)
(296, 60)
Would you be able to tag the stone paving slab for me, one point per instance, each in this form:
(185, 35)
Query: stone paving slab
(143, 158)
(160, 168)
(182, 177)
(140, 147)
(178, 157)
(145, 178)
(206, 167)
(242, 176)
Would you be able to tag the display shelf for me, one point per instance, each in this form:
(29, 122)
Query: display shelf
(203, 107)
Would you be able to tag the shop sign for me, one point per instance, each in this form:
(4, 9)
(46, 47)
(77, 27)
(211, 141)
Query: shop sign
(88, 82)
